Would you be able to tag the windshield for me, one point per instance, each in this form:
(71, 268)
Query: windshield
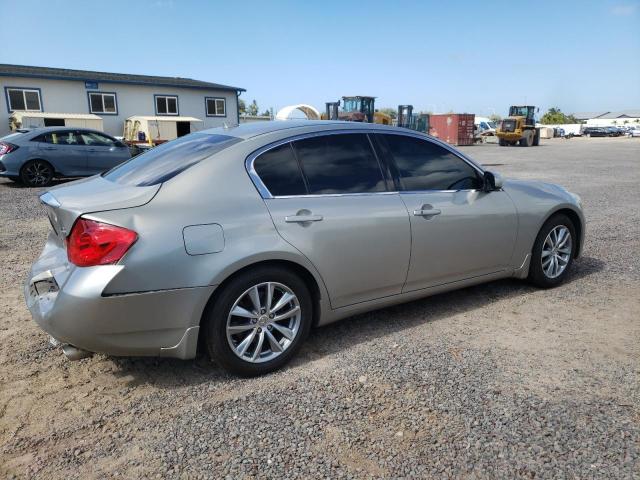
(520, 111)
(169, 159)
(351, 105)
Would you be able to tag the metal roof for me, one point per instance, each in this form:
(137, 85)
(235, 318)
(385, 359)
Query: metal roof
(79, 116)
(8, 70)
(622, 114)
(588, 115)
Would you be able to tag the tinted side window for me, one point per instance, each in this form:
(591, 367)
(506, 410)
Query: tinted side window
(423, 165)
(96, 140)
(60, 138)
(339, 164)
(278, 169)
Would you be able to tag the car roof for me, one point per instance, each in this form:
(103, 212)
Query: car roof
(33, 132)
(254, 129)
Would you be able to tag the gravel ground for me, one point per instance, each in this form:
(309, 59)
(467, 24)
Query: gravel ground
(495, 381)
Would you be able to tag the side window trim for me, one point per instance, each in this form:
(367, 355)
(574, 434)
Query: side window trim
(266, 194)
(396, 176)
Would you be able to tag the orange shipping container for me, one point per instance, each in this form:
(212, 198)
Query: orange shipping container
(453, 128)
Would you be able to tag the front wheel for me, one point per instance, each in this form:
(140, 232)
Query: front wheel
(553, 252)
(258, 321)
(36, 173)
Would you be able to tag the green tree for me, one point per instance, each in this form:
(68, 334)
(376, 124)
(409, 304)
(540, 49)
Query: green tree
(555, 116)
(266, 113)
(389, 111)
(494, 117)
(242, 107)
(253, 108)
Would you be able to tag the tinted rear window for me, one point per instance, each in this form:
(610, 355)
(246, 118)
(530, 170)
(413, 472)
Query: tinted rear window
(169, 159)
(12, 136)
(279, 171)
(339, 164)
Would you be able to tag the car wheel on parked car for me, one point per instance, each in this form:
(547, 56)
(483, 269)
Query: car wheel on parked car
(258, 321)
(36, 173)
(553, 252)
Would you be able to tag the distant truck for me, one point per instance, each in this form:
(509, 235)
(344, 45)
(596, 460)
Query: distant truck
(519, 127)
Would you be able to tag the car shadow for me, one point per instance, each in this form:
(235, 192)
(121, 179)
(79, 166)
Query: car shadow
(345, 334)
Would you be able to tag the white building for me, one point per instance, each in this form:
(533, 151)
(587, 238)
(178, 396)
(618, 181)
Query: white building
(608, 119)
(114, 97)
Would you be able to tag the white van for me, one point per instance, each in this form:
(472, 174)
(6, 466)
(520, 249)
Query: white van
(484, 126)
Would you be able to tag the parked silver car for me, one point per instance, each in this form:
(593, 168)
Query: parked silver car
(247, 237)
(35, 157)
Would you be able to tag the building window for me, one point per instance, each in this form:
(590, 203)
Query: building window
(216, 107)
(103, 103)
(166, 105)
(27, 99)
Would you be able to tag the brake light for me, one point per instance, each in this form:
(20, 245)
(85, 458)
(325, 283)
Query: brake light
(6, 147)
(95, 243)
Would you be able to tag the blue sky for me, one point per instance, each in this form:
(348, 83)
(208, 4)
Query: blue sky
(475, 56)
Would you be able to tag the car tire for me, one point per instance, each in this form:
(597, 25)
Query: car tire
(551, 247)
(36, 173)
(236, 352)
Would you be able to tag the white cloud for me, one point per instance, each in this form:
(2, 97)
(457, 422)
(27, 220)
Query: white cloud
(624, 10)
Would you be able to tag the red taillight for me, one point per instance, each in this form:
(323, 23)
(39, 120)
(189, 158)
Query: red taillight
(7, 148)
(95, 243)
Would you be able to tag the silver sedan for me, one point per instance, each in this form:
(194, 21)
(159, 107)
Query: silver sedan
(247, 237)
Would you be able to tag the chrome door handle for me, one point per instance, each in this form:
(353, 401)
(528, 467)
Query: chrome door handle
(302, 218)
(427, 213)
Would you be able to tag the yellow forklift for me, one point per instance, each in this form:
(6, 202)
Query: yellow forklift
(519, 127)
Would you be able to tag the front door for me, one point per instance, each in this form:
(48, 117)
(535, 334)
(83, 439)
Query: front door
(103, 153)
(458, 230)
(330, 201)
(64, 150)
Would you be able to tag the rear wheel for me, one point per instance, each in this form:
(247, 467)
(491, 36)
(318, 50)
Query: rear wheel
(36, 173)
(553, 252)
(536, 138)
(258, 321)
(502, 143)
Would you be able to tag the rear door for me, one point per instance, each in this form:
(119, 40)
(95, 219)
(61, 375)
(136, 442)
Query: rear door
(328, 197)
(458, 230)
(103, 152)
(64, 150)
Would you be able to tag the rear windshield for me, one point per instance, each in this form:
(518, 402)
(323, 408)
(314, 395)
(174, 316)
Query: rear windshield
(12, 136)
(169, 159)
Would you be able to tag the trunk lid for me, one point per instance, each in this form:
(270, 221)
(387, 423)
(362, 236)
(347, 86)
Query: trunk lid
(65, 203)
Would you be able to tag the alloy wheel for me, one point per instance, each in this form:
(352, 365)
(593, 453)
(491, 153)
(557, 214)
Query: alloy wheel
(556, 251)
(263, 322)
(38, 173)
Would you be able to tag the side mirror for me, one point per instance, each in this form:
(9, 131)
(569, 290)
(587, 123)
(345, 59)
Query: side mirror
(492, 181)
